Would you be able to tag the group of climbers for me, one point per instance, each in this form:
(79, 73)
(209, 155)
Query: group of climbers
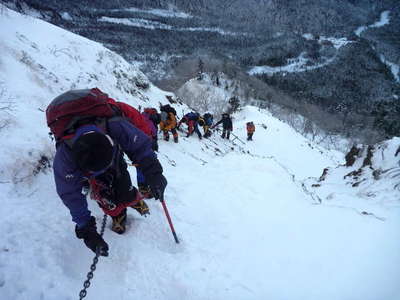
(167, 121)
(92, 133)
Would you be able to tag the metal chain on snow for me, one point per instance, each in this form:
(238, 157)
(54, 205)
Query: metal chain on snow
(86, 284)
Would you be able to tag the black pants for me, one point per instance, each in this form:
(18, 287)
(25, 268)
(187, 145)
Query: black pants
(250, 136)
(174, 134)
(226, 132)
(116, 184)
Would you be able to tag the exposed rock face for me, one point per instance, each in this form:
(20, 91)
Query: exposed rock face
(369, 170)
(371, 175)
(351, 156)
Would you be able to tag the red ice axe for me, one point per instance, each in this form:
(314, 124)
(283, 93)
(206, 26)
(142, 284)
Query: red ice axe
(169, 219)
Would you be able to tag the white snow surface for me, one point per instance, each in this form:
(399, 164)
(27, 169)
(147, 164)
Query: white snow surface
(66, 16)
(143, 23)
(302, 63)
(383, 20)
(249, 229)
(298, 64)
(148, 24)
(158, 12)
(364, 188)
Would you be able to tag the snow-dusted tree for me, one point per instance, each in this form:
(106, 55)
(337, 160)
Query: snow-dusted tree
(234, 104)
(200, 70)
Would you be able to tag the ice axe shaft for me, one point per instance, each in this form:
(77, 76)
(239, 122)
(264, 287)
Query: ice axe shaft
(169, 219)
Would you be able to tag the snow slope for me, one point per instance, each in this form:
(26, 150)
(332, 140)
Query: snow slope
(369, 183)
(249, 229)
(38, 62)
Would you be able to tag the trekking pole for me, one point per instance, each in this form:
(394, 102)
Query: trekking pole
(169, 219)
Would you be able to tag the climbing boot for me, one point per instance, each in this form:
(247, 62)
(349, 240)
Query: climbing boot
(141, 207)
(119, 222)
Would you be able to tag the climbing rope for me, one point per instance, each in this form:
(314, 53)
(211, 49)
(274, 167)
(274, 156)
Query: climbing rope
(86, 284)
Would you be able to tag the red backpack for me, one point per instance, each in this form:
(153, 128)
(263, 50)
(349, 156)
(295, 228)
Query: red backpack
(75, 108)
(134, 116)
(153, 115)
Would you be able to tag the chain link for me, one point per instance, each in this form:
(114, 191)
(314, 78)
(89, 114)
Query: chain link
(86, 284)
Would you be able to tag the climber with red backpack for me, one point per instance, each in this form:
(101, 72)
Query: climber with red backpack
(151, 120)
(153, 115)
(146, 125)
(92, 134)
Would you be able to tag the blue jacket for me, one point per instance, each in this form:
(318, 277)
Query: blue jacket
(70, 180)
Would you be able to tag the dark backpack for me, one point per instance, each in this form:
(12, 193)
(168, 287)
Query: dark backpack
(192, 116)
(208, 118)
(153, 115)
(168, 109)
(75, 108)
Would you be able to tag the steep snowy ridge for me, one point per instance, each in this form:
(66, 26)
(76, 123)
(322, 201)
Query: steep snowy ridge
(38, 62)
(247, 220)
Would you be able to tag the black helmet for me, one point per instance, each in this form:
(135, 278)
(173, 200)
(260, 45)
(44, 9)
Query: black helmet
(92, 150)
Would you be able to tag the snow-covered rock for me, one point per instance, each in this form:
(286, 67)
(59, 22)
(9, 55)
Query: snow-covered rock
(371, 175)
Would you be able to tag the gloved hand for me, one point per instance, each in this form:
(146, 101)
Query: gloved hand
(91, 238)
(152, 170)
(157, 183)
